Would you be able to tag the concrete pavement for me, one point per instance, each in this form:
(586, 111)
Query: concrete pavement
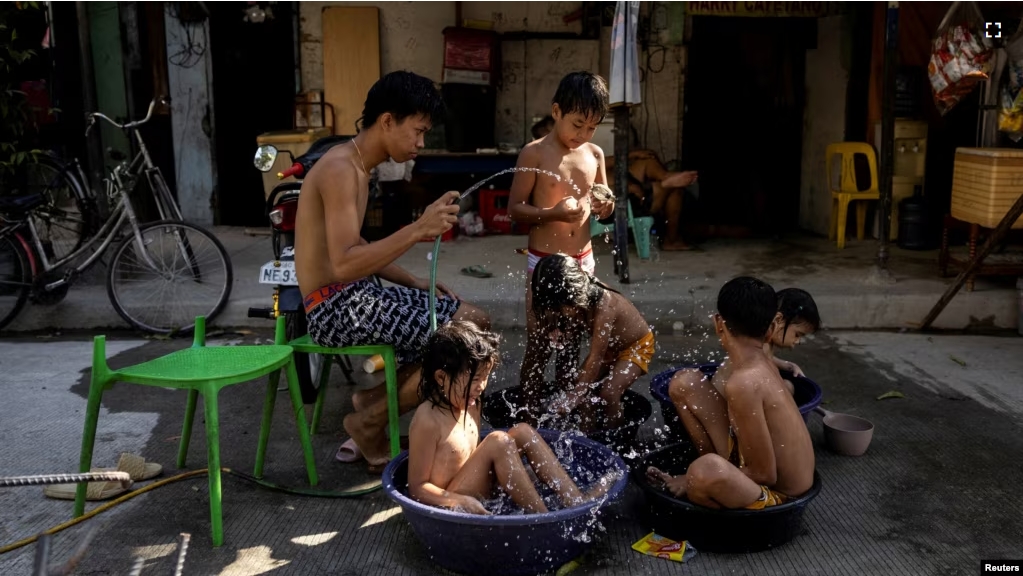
(670, 288)
(936, 492)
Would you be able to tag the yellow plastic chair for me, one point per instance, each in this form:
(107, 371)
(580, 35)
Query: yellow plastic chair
(847, 191)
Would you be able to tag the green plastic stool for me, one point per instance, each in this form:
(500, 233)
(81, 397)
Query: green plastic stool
(305, 344)
(200, 370)
(640, 231)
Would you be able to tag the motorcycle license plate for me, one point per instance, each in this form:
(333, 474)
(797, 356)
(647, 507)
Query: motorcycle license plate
(281, 273)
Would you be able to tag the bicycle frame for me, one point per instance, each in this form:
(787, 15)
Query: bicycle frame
(107, 232)
(142, 163)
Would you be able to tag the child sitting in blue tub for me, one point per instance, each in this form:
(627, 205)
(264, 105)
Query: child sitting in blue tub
(699, 400)
(757, 451)
(621, 343)
(448, 466)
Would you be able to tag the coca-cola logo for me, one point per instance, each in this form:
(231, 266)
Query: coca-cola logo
(502, 218)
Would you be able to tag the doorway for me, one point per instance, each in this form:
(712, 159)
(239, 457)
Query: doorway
(253, 92)
(743, 123)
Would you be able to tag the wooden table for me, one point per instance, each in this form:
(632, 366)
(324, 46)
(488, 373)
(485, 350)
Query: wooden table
(945, 257)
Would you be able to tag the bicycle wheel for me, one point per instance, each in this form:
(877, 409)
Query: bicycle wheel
(15, 279)
(184, 272)
(68, 218)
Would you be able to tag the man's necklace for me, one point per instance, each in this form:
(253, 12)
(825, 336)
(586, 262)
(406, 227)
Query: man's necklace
(360, 156)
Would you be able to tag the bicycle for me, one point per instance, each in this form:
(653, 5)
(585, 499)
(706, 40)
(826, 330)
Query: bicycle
(162, 249)
(71, 213)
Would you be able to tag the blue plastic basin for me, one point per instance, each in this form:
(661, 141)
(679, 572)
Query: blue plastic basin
(807, 395)
(510, 545)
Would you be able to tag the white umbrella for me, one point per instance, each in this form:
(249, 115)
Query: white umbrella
(624, 60)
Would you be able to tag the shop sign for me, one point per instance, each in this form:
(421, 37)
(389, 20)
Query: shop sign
(763, 9)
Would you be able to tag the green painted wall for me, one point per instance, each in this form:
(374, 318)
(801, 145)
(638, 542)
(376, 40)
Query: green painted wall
(108, 65)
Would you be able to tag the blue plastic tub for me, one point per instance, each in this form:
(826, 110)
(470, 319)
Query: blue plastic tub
(510, 545)
(807, 395)
(709, 530)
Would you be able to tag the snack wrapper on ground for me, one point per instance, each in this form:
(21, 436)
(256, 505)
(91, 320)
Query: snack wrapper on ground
(661, 547)
(960, 55)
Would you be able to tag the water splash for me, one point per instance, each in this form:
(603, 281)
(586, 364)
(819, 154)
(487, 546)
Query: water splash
(554, 175)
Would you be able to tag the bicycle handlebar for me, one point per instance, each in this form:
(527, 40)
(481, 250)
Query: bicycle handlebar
(128, 125)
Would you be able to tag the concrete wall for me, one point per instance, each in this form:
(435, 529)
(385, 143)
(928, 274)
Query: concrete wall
(823, 121)
(411, 38)
(189, 77)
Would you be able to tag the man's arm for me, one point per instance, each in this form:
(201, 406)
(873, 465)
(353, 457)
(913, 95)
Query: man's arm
(350, 259)
(519, 207)
(751, 431)
(393, 273)
(654, 171)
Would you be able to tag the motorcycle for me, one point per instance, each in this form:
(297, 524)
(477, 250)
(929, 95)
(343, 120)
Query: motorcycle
(281, 208)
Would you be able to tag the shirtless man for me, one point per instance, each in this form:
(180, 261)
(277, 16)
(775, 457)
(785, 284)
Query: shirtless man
(559, 215)
(667, 188)
(334, 263)
(770, 456)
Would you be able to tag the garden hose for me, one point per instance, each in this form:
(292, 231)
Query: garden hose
(433, 285)
(186, 476)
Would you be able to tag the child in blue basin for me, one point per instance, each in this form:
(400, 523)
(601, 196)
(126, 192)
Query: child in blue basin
(700, 401)
(621, 343)
(448, 465)
(770, 457)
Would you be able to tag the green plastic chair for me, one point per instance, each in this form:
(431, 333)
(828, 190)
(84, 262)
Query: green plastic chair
(305, 344)
(641, 228)
(200, 370)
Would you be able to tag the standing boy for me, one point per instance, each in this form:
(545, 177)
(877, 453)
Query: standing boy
(558, 214)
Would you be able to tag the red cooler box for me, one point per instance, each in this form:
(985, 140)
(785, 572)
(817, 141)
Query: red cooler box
(494, 212)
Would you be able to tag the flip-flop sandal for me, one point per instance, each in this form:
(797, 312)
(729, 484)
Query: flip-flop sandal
(95, 490)
(476, 271)
(137, 467)
(348, 452)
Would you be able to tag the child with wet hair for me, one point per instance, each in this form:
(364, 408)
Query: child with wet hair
(699, 399)
(621, 343)
(796, 319)
(557, 203)
(448, 465)
(768, 457)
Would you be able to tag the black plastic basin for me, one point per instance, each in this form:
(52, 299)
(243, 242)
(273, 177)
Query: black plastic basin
(709, 530)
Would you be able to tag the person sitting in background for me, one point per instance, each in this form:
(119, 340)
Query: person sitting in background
(659, 191)
(543, 127)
